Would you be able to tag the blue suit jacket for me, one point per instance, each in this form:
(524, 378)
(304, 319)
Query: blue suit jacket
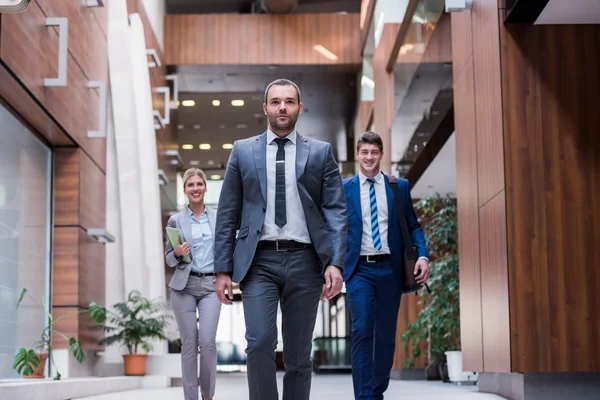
(396, 245)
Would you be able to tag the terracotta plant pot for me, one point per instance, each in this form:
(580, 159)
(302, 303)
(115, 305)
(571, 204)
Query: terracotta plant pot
(39, 372)
(135, 364)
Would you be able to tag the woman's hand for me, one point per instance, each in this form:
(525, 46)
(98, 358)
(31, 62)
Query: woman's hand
(182, 249)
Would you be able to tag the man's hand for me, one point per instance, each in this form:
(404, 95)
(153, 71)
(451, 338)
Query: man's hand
(333, 283)
(223, 283)
(421, 271)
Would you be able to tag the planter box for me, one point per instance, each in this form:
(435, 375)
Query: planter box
(455, 370)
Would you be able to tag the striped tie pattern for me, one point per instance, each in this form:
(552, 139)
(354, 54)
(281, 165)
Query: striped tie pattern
(374, 220)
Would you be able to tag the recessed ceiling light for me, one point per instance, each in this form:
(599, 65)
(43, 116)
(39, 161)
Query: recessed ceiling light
(257, 115)
(227, 146)
(194, 162)
(237, 103)
(197, 126)
(180, 127)
(216, 103)
(222, 126)
(241, 126)
(204, 146)
(210, 162)
(174, 162)
(172, 152)
(188, 103)
(215, 177)
(187, 146)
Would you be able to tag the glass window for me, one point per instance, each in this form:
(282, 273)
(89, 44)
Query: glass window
(25, 222)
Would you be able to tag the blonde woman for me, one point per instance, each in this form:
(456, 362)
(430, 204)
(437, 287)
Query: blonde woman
(193, 288)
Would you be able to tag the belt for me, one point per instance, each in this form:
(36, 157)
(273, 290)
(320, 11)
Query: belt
(202, 274)
(376, 258)
(284, 245)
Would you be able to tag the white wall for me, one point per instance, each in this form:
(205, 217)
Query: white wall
(155, 9)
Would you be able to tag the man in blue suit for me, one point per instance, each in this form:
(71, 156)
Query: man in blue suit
(374, 267)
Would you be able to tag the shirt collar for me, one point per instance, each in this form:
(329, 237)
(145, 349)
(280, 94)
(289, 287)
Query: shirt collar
(192, 213)
(272, 136)
(378, 178)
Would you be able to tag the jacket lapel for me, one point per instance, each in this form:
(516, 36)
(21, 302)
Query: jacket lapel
(390, 200)
(356, 196)
(212, 218)
(302, 151)
(259, 148)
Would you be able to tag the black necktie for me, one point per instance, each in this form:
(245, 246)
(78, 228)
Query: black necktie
(280, 214)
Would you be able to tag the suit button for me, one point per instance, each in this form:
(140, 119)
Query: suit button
(258, 231)
(264, 210)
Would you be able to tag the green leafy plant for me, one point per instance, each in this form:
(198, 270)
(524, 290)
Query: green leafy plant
(133, 323)
(26, 361)
(438, 323)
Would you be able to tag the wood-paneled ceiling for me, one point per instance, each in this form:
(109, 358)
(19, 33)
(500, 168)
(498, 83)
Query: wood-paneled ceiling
(246, 6)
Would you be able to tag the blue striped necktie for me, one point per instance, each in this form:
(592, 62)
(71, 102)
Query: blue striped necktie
(374, 220)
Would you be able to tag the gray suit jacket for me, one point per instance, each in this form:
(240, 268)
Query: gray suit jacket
(242, 203)
(181, 221)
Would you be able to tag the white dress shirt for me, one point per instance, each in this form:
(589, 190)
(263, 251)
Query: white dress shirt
(367, 247)
(295, 228)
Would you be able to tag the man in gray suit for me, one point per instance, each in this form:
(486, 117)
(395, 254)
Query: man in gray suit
(284, 192)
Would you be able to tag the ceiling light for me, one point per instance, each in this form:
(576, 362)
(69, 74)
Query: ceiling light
(197, 126)
(227, 146)
(216, 103)
(237, 103)
(187, 146)
(194, 162)
(258, 115)
(174, 162)
(210, 162)
(222, 126)
(215, 177)
(324, 52)
(241, 126)
(180, 126)
(204, 146)
(188, 103)
(172, 152)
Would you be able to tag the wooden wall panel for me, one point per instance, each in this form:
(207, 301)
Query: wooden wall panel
(65, 266)
(409, 312)
(92, 199)
(494, 285)
(468, 220)
(91, 271)
(66, 186)
(206, 39)
(383, 106)
(488, 107)
(553, 187)
(29, 111)
(462, 42)
(367, 8)
(76, 325)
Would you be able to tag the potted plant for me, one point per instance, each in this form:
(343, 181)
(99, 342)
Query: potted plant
(438, 324)
(31, 363)
(133, 324)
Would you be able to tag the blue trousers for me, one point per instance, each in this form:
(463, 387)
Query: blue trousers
(374, 293)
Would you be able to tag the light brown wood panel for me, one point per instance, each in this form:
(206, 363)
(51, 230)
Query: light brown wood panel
(92, 194)
(65, 266)
(78, 268)
(462, 41)
(96, 48)
(383, 106)
(468, 220)
(366, 19)
(26, 46)
(494, 285)
(77, 325)
(76, 12)
(80, 190)
(553, 186)
(409, 312)
(439, 47)
(67, 175)
(29, 111)
(403, 29)
(101, 16)
(366, 113)
(206, 39)
(488, 107)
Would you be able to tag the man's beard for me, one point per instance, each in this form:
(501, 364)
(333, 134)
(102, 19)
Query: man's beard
(285, 125)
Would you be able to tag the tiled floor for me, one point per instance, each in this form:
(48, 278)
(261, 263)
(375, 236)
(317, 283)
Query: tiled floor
(325, 387)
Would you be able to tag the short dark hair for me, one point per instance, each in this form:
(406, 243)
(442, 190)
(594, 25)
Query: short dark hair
(369, 137)
(281, 82)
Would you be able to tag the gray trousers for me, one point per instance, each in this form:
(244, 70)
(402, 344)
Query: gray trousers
(295, 279)
(199, 293)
